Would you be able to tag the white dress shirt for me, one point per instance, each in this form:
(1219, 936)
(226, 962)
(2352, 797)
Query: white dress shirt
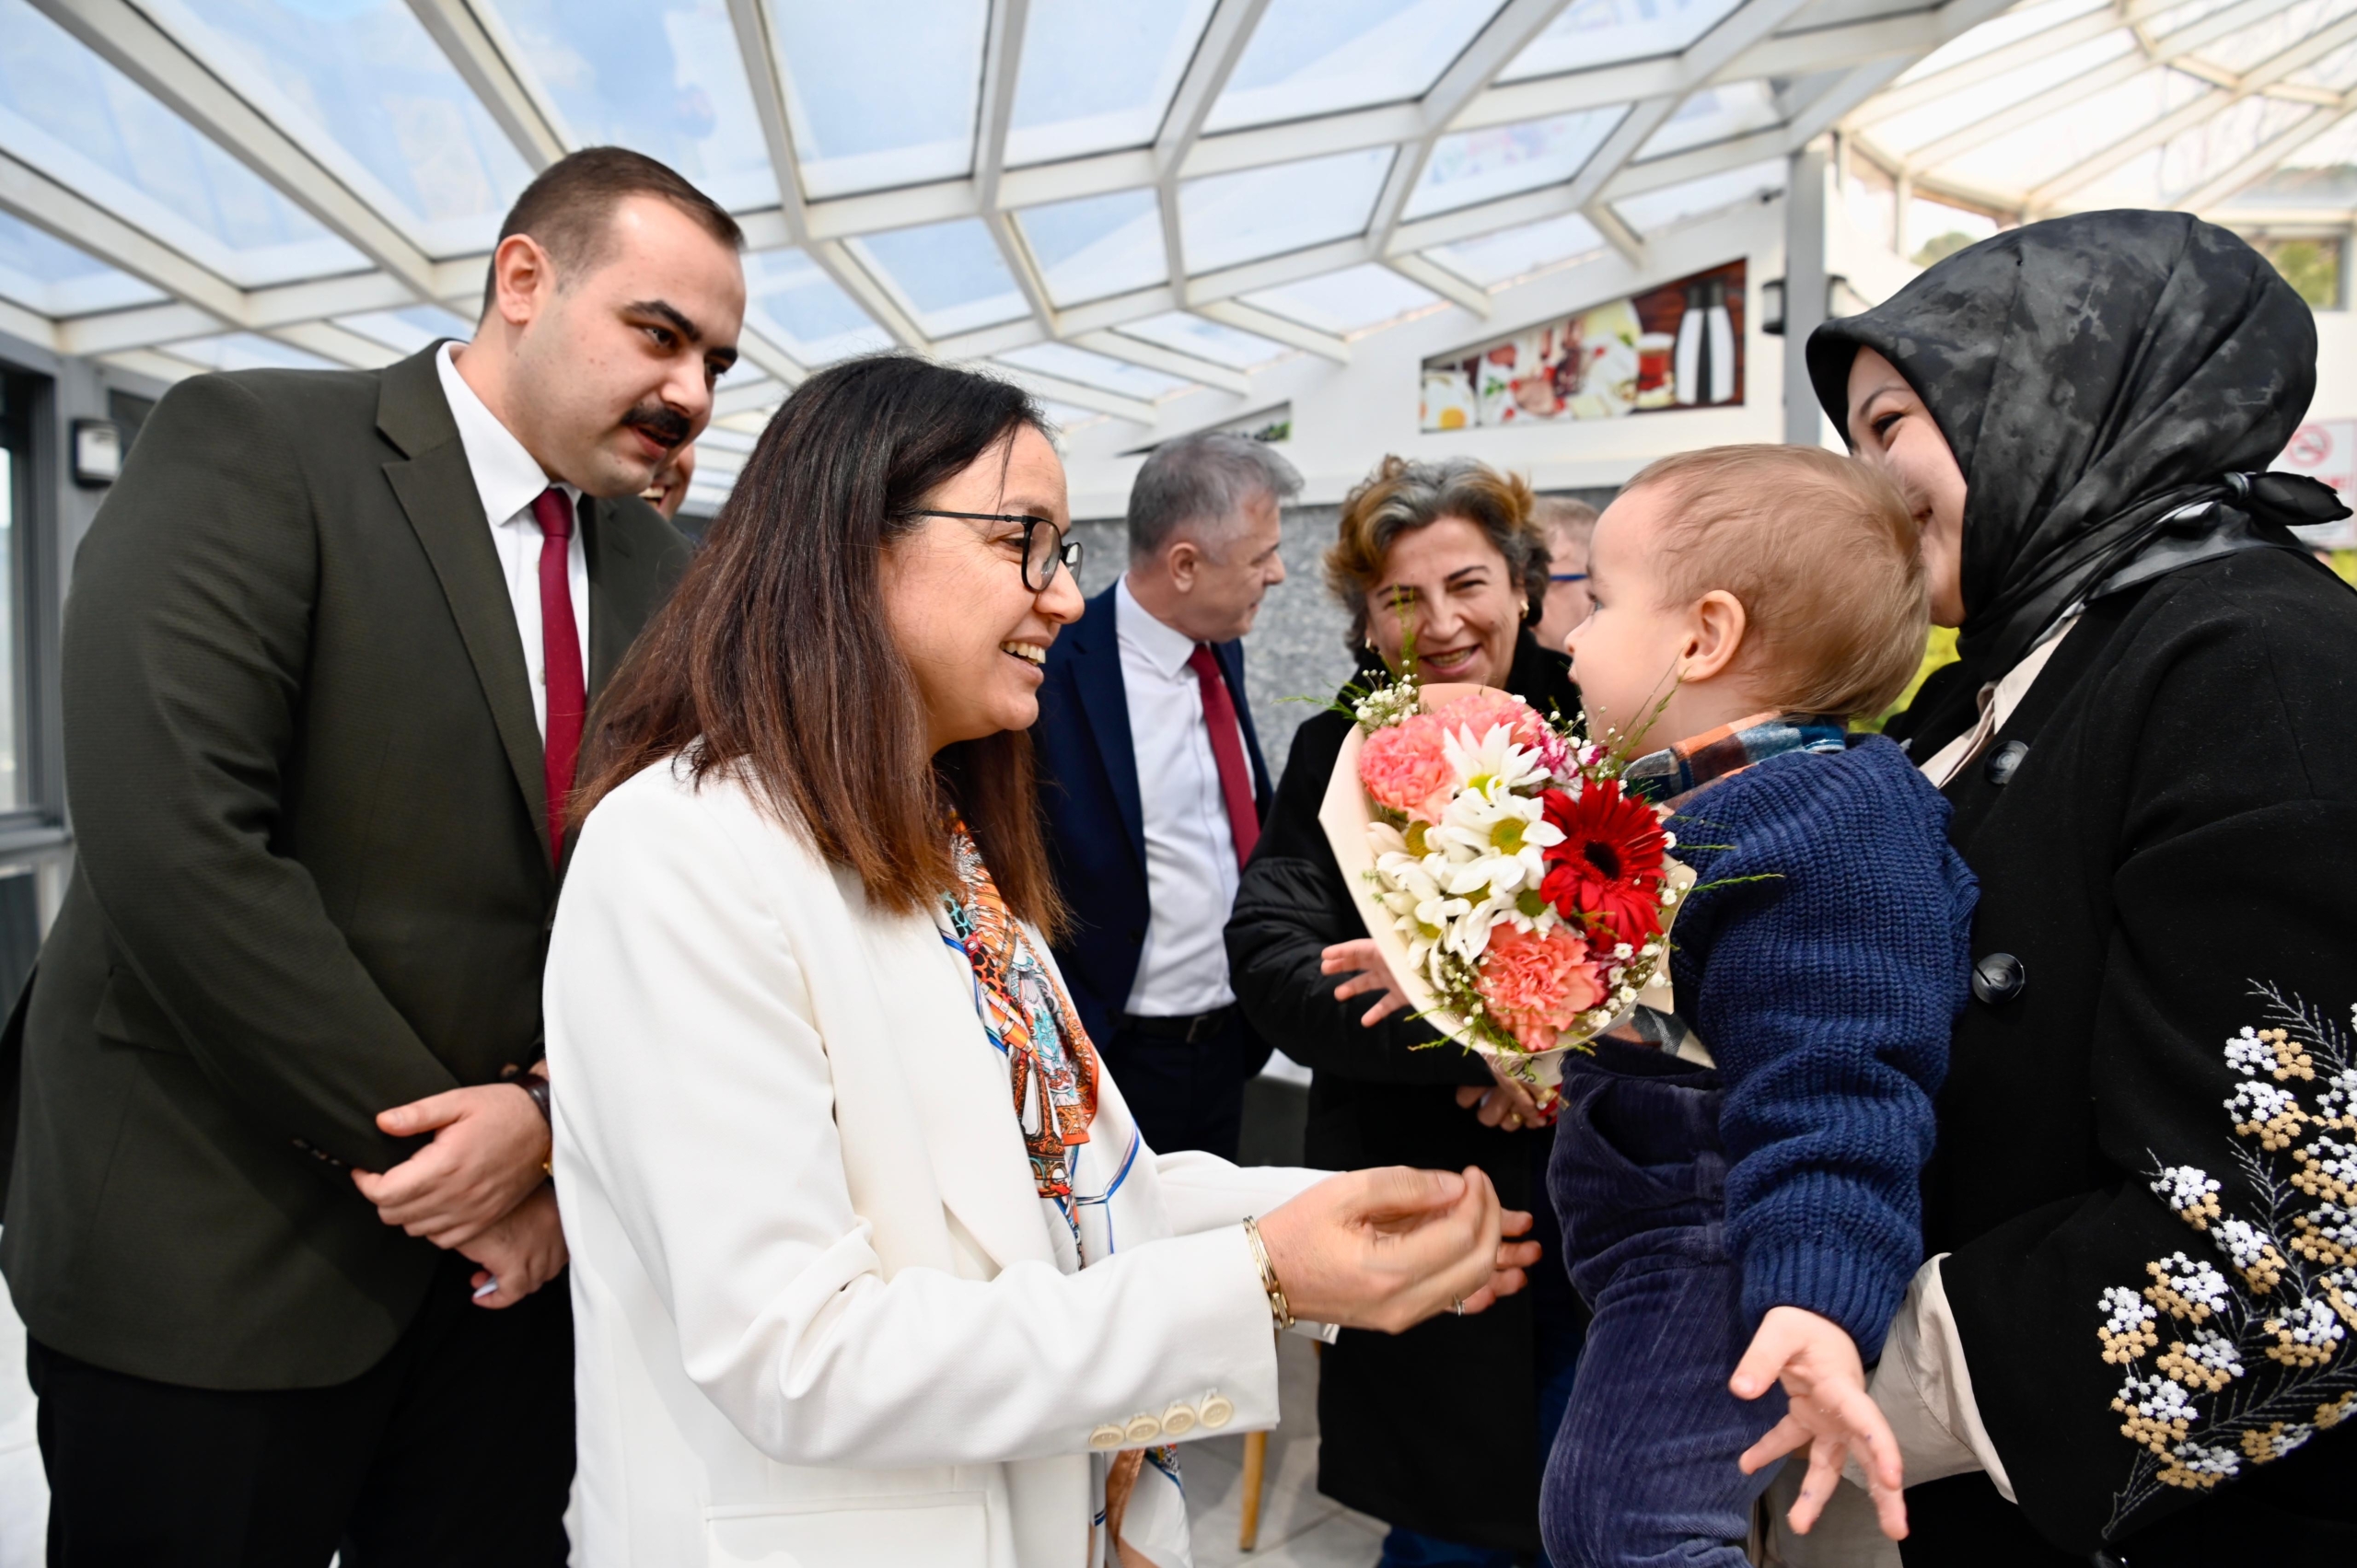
(1191, 871)
(509, 480)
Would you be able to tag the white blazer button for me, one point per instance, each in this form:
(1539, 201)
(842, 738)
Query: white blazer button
(1142, 1429)
(1216, 1411)
(1179, 1420)
(1105, 1436)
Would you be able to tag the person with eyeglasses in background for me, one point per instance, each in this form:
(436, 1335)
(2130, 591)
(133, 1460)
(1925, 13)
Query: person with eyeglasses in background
(1155, 788)
(1568, 526)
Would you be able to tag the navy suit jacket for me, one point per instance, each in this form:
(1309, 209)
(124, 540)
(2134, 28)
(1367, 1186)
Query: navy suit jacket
(1088, 789)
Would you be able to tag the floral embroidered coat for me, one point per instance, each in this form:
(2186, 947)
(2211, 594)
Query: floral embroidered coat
(2146, 1142)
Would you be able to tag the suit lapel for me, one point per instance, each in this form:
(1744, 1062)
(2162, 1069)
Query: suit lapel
(958, 1090)
(612, 605)
(436, 490)
(1104, 697)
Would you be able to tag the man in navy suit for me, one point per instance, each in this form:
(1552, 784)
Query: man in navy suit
(1155, 787)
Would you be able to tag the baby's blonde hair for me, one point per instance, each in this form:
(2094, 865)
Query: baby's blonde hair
(1825, 556)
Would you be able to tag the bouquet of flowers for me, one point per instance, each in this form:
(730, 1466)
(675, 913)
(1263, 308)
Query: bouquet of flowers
(1521, 898)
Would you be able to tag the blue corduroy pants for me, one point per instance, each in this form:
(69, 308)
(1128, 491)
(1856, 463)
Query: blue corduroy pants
(1643, 1471)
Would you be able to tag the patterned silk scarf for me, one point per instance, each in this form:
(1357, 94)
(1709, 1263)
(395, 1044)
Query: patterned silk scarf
(1048, 1059)
(1673, 773)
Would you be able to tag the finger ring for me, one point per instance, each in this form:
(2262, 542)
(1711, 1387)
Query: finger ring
(1456, 1304)
(1513, 1120)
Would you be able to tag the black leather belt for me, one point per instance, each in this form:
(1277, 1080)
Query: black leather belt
(1193, 1031)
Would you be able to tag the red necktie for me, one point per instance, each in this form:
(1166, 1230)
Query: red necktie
(560, 659)
(1227, 750)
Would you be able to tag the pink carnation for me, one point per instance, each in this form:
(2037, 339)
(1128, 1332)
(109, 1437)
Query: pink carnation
(1404, 767)
(1483, 710)
(1486, 708)
(1534, 986)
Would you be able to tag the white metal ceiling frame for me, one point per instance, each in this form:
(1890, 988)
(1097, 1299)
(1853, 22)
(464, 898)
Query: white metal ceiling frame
(483, 56)
(1860, 58)
(1919, 169)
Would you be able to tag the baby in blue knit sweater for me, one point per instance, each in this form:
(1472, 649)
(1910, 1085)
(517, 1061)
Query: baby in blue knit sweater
(1739, 1190)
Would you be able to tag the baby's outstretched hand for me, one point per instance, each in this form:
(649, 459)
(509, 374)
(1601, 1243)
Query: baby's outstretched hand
(1830, 1412)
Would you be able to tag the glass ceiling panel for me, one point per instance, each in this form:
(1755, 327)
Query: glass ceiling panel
(1512, 253)
(1604, 33)
(1097, 76)
(2169, 173)
(1999, 32)
(1504, 160)
(2160, 24)
(2262, 41)
(1656, 210)
(1230, 218)
(1351, 300)
(88, 126)
(246, 351)
(1715, 114)
(1064, 417)
(1205, 340)
(1921, 126)
(44, 273)
(2335, 70)
(1094, 370)
(360, 85)
(1097, 246)
(1311, 57)
(1840, 13)
(409, 330)
(2024, 159)
(789, 298)
(881, 93)
(949, 275)
(664, 78)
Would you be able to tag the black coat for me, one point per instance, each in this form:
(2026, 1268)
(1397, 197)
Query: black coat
(312, 877)
(2176, 849)
(1432, 1429)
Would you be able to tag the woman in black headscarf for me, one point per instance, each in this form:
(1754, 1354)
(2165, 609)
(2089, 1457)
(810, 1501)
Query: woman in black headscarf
(2143, 1329)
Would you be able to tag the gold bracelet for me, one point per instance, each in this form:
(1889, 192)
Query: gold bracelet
(1277, 1307)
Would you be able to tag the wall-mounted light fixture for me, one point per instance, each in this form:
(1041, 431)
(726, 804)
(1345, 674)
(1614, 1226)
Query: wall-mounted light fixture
(1841, 299)
(97, 447)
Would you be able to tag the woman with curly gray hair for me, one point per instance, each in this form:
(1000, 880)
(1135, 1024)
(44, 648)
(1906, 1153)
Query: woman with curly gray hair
(1439, 1431)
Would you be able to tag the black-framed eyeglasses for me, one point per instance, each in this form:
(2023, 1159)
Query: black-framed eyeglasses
(1040, 556)
(1567, 576)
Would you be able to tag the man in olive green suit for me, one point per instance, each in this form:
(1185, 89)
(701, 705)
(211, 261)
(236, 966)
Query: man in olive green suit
(278, 1218)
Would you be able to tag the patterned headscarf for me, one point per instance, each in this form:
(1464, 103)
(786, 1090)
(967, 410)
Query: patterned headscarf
(2094, 376)
(1050, 1062)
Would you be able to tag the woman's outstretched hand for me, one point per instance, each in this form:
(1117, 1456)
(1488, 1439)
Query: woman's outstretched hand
(1363, 961)
(1388, 1249)
(1832, 1414)
(1505, 1103)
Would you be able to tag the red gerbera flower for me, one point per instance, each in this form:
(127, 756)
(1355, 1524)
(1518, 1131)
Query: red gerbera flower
(1605, 877)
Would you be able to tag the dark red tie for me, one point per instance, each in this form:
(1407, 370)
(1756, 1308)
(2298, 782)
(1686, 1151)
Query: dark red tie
(560, 659)
(1227, 750)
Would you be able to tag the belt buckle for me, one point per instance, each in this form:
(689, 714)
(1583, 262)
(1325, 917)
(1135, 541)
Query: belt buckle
(1202, 1026)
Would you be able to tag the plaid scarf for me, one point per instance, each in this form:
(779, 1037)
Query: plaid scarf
(1026, 1015)
(1670, 774)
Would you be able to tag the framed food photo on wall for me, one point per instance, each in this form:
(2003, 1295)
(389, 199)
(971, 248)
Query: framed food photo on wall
(1680, 345)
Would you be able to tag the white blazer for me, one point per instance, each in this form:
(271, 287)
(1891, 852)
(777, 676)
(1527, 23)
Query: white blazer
(816, 1314)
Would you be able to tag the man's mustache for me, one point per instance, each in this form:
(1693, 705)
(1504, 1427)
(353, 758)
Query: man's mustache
(666, 424)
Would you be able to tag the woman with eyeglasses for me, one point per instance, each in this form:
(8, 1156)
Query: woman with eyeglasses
(869, 1263)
